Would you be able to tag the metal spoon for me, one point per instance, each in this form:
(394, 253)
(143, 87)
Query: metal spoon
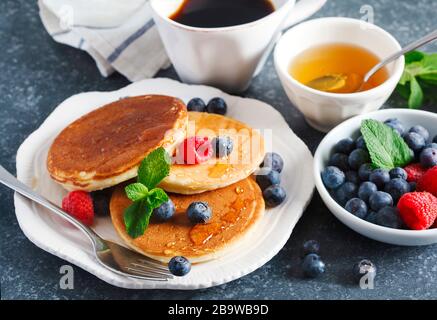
(331, 82)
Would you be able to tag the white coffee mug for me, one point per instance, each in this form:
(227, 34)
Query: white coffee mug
(226, 57)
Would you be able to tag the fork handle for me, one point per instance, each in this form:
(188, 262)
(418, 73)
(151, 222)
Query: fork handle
(10, 181)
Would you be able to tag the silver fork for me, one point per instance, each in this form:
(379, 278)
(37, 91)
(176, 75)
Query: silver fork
(112, 256)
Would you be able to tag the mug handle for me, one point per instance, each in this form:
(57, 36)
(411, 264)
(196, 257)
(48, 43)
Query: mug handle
(302, 10)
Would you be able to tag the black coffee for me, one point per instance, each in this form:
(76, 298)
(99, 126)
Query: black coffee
(221, 13)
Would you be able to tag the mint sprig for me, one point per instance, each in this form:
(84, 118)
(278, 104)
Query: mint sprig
(144, 193)
(386, 147)
(419, 80)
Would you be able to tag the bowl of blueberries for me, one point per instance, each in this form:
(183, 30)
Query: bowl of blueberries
(377, 173)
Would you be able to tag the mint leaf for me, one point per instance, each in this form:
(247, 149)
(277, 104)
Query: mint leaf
(154, 168)
(413, 56)
(136, 218)
(420, 72)
(416, 96)
(157, 197)
(386, 147)
(136, 191)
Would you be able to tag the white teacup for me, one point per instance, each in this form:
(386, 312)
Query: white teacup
(226, 57)
(324, 110)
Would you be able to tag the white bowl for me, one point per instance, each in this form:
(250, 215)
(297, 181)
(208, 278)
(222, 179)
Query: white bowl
(324, 110)
(350, 128)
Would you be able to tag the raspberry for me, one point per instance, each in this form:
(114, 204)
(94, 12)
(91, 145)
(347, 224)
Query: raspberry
(194, 150)
(414, 172)
(418, 210)
(429, 181)
(79, 205)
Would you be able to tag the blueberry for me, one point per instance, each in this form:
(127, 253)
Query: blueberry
(199, 212)
(196, 104)
(415, 141)
(179, 266)
(311, 246)
(389, 217)
(412, 185)
(361, 143)
(357, 207)
(398, 173)
(352, 176)
(420, 130)
(396, 125)
(217, 105)
(365, 171)
(362, 268)
(312, 266)
(380, 199)
(274, 161)
(222, 146)
(428, 157)
(340, 161)
(366, 189)
(345, 192)
(371, 217)
(379, 177)
(101, 201)
(165, 211)
(274, 195)
(345, 146)
(266, 180)
(333, 177)
(435, 139)
(396, 188)
(357, 158)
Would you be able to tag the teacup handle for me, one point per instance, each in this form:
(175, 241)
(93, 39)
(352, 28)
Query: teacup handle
(302, 10)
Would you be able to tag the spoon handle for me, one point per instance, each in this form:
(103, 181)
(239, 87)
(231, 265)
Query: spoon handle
(410, 47)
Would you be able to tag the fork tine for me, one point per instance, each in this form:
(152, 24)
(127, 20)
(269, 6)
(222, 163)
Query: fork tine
(150, 268)
(155, 264)
(148, 274)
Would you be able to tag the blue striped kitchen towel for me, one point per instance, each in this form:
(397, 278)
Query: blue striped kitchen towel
(119, 35)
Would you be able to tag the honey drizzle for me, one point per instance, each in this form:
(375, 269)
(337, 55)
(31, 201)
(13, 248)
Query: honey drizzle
(202, 233)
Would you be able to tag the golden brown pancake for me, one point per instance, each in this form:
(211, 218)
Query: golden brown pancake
(215, 173)
(104, 147)
(235, 211)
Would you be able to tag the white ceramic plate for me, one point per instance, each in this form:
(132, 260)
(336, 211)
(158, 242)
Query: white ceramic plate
(350, 128)
(57, 237)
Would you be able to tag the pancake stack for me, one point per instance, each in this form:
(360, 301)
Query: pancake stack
(104, 148)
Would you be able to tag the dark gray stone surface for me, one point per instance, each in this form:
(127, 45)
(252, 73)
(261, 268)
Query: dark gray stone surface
(36, 74)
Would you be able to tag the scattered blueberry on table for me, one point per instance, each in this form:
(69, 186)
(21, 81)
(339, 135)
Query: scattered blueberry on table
(313, 266)
(310, 246)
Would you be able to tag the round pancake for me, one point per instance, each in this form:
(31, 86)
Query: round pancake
(104, 147)
(247, 155)
(235, 211)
